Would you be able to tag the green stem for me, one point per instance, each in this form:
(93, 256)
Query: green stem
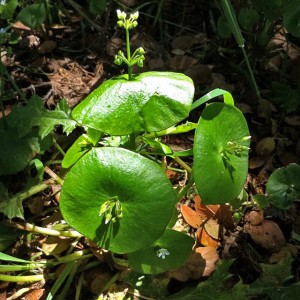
(28, 278)
(251, 73)
(20, 268)
(30, 192)
(128, 55)
(45, 231)
(132, 145)
(183, 164)
(186, 188)
(62, 152)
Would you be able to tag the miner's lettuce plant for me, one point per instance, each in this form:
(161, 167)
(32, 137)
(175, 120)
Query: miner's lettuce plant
(116, 193)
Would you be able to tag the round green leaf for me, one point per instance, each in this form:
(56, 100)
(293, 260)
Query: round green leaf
(33, 15)
(283, 186)
(220, 153)
(153, 101)
(169, 252)
(223, 27)
(248, 18)
(146, 195)
(291, 18)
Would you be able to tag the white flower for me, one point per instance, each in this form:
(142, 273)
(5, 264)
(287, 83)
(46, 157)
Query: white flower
(161, 253)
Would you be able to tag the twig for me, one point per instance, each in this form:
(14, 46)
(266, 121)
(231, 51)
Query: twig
(78, 8)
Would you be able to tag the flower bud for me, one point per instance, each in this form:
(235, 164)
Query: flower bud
(120, 23)
(135, 15)
(121, 14)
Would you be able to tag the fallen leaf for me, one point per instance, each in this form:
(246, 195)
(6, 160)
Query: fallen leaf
(288, 249)
(183, 42)
(205, 211)
(205, 239)
(268, 235)
(265, 146)
(55, 245)
(201, 74)
(35, 294)
(182, 62)
(201, 263)
(190, 216)
(212, 228)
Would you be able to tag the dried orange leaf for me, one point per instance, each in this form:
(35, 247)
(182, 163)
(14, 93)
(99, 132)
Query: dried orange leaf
(212, 228)
(205, 239)
(190, 216)
(211, 256)
(205, 211)
(201, 263)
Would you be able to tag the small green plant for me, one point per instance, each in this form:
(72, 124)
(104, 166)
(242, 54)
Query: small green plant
(118, 194)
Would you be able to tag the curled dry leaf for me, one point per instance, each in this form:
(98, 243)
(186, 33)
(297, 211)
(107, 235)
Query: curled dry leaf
(255, 217)
(268, 235)
(190, 216)
(288, 249)
(201, 263)
(265, 146)
(205, 239)
(55, 245)
(205, 211)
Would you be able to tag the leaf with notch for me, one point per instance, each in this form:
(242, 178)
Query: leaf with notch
(34, 114)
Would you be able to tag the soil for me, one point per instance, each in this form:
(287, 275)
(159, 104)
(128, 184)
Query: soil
(70, 59)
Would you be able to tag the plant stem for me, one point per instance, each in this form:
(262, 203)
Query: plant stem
(128, 55)
(186, 188)
(62, 152)
(251, 73)
(31, 191)
(183, 164)
(45, 231)
(54, 176)
(28, 278)
(132, 145)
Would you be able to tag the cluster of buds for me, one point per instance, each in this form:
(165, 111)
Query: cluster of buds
(137, 58)
(236, 148)
(127, 23)
(111, 209)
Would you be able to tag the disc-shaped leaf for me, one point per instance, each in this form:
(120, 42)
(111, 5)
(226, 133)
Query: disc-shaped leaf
(220, 153)
(283, 186)
(152, 101)
(146, 196)
(291, 18)
(33, 15)
(169, 252)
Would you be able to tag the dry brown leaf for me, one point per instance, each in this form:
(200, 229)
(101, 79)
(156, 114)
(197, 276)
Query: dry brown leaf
(265, 146)
(190, 216)
(292, 120)
(255, 217)
(205, 211)
(35, 294)
(183, 42)
(201, 263)
(156, 63)
(55, 245)
(182, 62)
(288, 249)
(201, 74)
(47, 47)
(268, 235)
(205, 239)
(212, 228)
(256, 162)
